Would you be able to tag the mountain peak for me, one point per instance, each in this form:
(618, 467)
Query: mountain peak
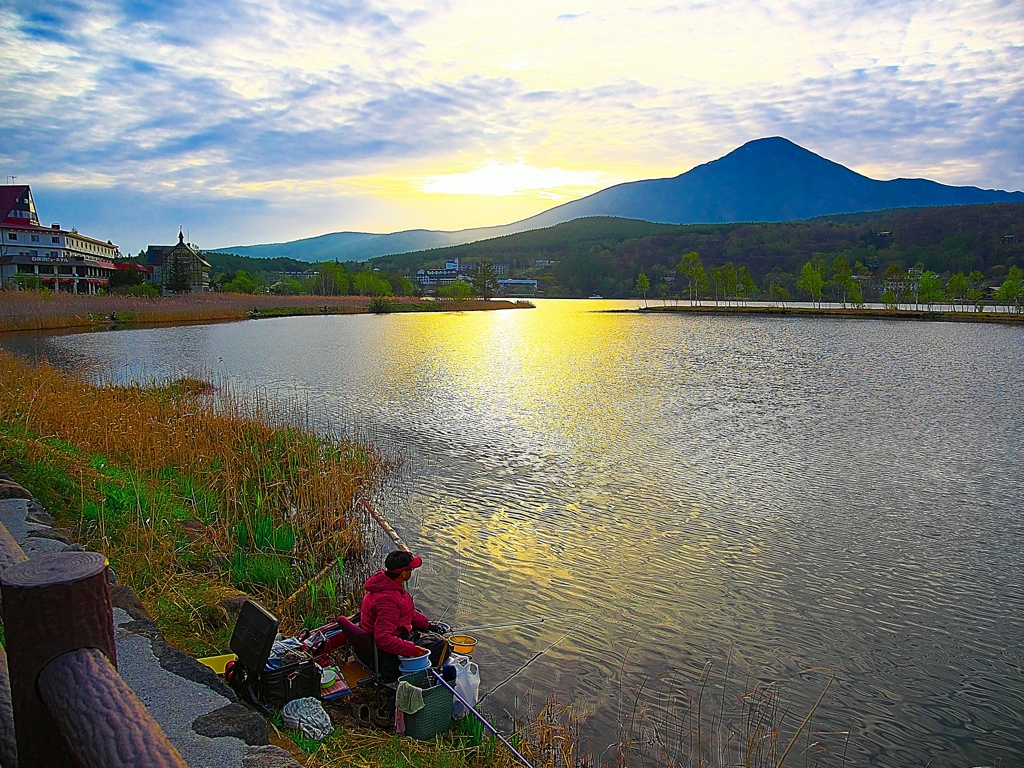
(772, 142)
(767, 179)
(772, 148)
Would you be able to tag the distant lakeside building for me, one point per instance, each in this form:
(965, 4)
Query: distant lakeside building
(512, 287)
(439, 278)
(48, 257)
(160, 260)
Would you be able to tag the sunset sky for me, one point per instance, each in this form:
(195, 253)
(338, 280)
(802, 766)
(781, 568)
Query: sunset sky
(252, 122)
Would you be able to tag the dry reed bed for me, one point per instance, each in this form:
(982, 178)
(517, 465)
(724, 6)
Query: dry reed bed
(32, 310)
(38, 311)
(193, 496)
(547, 738)
(726, 726)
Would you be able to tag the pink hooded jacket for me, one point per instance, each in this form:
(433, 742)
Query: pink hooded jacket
(387, 613)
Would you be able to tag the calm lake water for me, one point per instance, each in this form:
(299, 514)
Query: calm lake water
(792, 494)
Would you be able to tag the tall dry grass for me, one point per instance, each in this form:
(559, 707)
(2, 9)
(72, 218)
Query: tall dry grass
(724, 726)
(188, 488)
(547, 738)
(39, 311)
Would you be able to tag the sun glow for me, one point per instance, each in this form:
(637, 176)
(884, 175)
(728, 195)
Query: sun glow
(504, 179)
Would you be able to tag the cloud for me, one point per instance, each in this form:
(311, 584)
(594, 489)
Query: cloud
(197, 103)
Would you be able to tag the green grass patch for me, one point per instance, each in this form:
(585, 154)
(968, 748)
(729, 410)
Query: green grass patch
(286, 311)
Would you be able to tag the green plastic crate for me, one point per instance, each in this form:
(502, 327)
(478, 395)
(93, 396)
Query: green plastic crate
(436, 715)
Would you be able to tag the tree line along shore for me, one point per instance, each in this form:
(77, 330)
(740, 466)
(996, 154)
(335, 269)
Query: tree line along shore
(838, 281)
(866, 313)
(605, 255)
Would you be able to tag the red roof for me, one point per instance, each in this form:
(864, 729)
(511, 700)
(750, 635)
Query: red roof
(131, 265)
(9, 195)
(22, 224)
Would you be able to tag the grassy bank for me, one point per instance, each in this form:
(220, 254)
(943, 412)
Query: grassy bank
(193, 494)
(36, 311)
(195, 497)
(1007, 318)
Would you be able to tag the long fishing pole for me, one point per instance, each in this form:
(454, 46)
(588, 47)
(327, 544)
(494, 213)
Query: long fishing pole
(499, 626)
(537, 656)
(523, 623)
(481, 718)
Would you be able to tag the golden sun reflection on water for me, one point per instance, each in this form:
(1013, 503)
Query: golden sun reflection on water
(583, 380)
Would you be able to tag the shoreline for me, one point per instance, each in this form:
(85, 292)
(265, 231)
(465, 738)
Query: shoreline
(168, 518)
(20, 312)
(999, 318)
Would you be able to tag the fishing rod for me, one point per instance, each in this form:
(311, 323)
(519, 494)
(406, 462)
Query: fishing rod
(481, 718)
(537, 656)
(523, 623)
(499, 626)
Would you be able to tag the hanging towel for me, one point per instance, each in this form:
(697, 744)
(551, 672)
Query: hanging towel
(409, 698)
(399, 721)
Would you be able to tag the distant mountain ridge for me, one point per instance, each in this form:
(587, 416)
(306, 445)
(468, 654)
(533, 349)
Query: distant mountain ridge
(765, 180)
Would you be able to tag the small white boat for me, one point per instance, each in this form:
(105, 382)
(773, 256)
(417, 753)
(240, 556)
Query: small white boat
(595, 296)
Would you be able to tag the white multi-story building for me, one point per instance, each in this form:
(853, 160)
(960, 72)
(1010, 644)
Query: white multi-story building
(452, 271)
(50, 257)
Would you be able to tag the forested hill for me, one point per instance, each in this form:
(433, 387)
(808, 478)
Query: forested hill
(605, 255)
(231, 262)
(572, 236)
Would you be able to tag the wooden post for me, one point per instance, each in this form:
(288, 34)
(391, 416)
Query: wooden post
(101, 718)
(53, 604)
(10, 554)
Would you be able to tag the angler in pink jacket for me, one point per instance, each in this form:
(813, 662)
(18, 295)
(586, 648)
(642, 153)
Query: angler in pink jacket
(388, 613)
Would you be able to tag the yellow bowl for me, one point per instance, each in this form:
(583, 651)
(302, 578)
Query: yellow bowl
(463, 644)
(218, 663)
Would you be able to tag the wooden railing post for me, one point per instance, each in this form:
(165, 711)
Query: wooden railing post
(53, 604)
(10, 554)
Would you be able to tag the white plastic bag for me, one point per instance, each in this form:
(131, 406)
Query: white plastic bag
(308, 716)
(467, 683)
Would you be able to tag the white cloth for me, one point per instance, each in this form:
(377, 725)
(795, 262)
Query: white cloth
(309, 716)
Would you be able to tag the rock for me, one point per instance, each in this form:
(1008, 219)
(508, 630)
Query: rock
(36, 514)
(11, 490)
(34, 546)
(47, 533)
(177, 662)
(35, 508)
(233, 720)
(195, 528)
(268, 757)
(126, 599)
(232, 605)
(214, 616)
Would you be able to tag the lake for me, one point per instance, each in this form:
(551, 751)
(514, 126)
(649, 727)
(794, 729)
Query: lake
(775, 495)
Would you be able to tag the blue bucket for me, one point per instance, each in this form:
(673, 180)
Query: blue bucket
(409, 664)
